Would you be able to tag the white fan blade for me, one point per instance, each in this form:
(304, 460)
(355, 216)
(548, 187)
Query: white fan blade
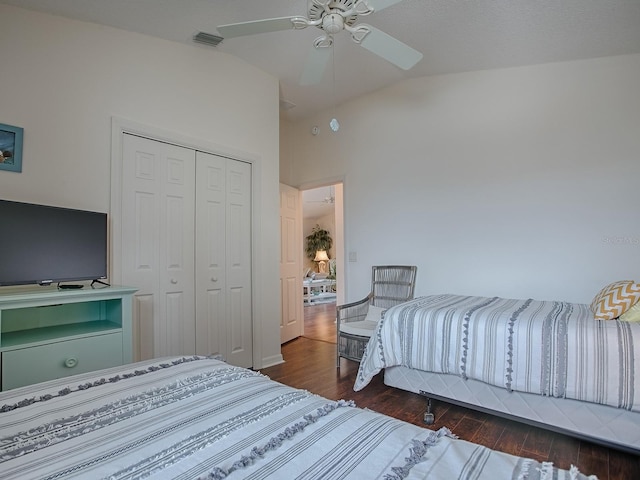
(378, 5)
(314, 67)
(391, 49)
(255, 27)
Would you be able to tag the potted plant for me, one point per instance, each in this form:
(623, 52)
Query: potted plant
(319, 239)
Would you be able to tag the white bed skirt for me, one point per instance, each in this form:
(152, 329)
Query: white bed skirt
(596, 423)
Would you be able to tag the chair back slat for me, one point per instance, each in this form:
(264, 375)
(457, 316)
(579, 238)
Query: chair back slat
(392, 284)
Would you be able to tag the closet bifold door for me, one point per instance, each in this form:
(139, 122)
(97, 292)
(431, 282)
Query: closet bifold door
(223, 259)
(158, 184)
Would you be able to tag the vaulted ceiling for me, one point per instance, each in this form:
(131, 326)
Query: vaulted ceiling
(453, 35)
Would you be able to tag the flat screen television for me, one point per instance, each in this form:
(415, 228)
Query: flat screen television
(41, 244)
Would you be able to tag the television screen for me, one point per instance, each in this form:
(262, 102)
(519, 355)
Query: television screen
(42, 244)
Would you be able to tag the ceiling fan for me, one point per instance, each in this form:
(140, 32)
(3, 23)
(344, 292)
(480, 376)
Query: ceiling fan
(330, 199)
(332, 17)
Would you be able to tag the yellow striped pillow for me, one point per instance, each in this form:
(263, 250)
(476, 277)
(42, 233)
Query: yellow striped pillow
(615, 299)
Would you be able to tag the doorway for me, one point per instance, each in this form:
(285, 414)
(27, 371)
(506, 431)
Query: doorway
(322, 207)
(295, 265)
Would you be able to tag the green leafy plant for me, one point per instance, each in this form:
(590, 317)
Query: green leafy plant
(319, 239)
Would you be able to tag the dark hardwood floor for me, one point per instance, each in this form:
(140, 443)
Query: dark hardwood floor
(310, 363)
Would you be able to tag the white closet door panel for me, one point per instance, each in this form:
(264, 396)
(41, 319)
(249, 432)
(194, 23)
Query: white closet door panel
(236, 255)
(141, 216)
(223, 249)
(146, 220)
(143, 272)
(211, 333)
(140, 253)
(180, 336)
(238, 267)
(214, 248)
(238, 229)
(177, 247)
(210, 280)
(157, 252)
(210, 214)
(175, 241)
(177, 251)
(240, 338)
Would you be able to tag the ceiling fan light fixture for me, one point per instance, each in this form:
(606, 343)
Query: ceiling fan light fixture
(333, 23)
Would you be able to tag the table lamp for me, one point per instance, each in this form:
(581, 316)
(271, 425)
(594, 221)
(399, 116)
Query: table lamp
(322, 259)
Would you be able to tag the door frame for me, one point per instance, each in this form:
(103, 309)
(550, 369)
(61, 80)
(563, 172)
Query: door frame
(120, 126)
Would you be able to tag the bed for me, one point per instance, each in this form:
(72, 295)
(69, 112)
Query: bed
(546, 363)
(200, 418)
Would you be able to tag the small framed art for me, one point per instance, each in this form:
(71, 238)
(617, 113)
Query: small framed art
(10, 148)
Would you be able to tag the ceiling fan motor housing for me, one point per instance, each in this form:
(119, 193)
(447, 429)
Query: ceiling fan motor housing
(332, 17)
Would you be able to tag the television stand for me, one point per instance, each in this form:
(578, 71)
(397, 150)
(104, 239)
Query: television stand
(47, 333)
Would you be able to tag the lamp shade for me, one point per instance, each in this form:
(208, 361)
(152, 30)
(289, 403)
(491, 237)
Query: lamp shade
(321, 256)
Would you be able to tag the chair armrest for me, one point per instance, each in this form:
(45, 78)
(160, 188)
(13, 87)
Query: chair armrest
(353, 312)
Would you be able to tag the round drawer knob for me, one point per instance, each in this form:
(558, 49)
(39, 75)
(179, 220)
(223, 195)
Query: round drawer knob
(214, 279)
(71, 362)
(174, 281)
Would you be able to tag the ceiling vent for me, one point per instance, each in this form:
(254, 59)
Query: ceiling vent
(207, 39)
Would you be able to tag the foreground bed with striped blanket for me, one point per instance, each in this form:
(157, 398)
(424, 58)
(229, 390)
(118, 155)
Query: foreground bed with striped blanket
(198, 418)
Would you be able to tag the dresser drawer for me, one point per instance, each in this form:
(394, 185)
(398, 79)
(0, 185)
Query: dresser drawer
(30, 365)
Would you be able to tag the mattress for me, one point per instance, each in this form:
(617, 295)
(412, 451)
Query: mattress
(197, 418)
(600, 424)
(550, 348)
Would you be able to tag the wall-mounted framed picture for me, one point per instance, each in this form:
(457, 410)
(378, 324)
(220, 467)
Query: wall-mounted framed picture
(10, 148)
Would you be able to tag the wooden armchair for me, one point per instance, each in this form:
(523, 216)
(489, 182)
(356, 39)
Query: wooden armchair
(355, 322)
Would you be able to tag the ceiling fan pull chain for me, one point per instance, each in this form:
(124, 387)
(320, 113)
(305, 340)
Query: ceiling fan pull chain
(334, 124)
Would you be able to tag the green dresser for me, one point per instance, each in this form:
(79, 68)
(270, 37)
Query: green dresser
(46, 333)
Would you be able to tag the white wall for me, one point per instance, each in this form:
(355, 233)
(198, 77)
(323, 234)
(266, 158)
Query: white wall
(518, 182)
(63, 81)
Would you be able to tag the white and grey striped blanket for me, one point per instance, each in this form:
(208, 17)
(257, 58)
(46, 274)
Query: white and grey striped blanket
(193, 418)
(543, 347)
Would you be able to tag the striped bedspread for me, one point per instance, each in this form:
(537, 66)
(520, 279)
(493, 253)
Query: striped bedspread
(199, 418)
(543, 347)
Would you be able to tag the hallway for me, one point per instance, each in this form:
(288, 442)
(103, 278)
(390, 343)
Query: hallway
(320, 322)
